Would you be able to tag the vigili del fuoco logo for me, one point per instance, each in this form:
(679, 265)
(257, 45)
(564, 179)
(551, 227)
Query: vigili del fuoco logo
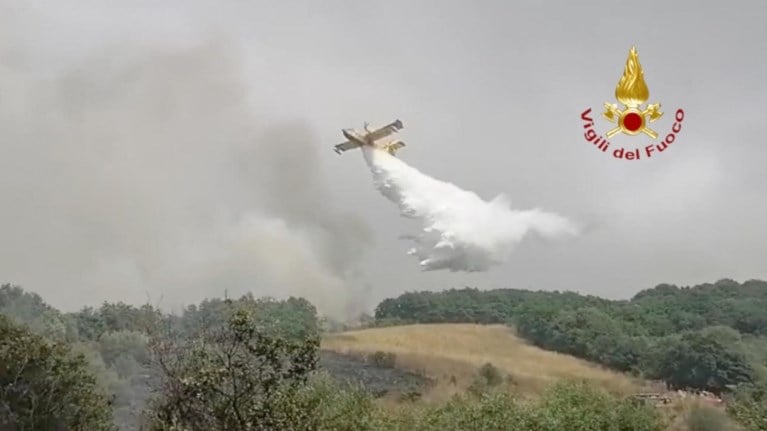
(633, 119)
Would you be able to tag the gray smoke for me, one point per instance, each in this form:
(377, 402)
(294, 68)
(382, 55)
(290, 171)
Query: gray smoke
(147, 171)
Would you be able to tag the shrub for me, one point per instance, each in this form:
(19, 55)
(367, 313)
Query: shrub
(707, 418)
(564, 407)
(577, 406)
(491, 374)
(240, 377)
(44, 386)
(748, 406)
(494, 411)
(488, 376)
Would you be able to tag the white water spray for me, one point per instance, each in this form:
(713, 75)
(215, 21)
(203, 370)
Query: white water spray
(461, 231)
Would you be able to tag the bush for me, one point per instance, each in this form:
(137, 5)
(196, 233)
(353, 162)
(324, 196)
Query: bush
(322, 405)
(495, 411)
(491, 374)
(707, 418)
(488, 377)
(241, 377)
(748, 406)
(577, 406)
(44, 386)
(564, 407)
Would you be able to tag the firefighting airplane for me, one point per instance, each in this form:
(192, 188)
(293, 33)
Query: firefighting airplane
(357, 139)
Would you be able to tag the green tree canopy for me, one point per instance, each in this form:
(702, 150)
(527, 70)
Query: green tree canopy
(239, 376)
(668, 332)
(44, 386)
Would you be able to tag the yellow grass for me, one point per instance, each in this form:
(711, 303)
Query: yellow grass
(443, 351)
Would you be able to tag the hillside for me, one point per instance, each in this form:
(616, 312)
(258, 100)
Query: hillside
(220, 343)
(710, 337)
(444, 351)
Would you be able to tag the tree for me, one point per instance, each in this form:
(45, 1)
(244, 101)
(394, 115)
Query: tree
(123, 344)
(655, 334)
(294, 318)
(123, 317)
(710, 359)
(30, 309)
(44, 386)
(240, 376)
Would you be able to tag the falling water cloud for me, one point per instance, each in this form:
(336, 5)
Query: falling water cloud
(460, 231)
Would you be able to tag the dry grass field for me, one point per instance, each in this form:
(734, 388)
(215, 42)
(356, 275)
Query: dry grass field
(452, 353)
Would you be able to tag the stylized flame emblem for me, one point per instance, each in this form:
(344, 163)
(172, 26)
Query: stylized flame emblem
(632, 92)
(631, 89)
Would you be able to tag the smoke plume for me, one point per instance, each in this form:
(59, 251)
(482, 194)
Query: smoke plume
(461, 231)
(137, 172)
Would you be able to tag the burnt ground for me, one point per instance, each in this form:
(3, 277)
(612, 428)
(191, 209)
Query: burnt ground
(379, 380)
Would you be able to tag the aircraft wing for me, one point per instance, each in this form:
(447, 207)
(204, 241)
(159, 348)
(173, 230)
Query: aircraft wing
(348, 145)
(385, 130)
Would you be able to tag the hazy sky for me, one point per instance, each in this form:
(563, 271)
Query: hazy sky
(174, 152)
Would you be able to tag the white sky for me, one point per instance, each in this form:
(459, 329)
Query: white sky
(120, 126)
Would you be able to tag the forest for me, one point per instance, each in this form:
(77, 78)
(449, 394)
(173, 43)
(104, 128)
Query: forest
(708, 337)
(253, 363)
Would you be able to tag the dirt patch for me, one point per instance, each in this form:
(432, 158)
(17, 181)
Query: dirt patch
(359, 370)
